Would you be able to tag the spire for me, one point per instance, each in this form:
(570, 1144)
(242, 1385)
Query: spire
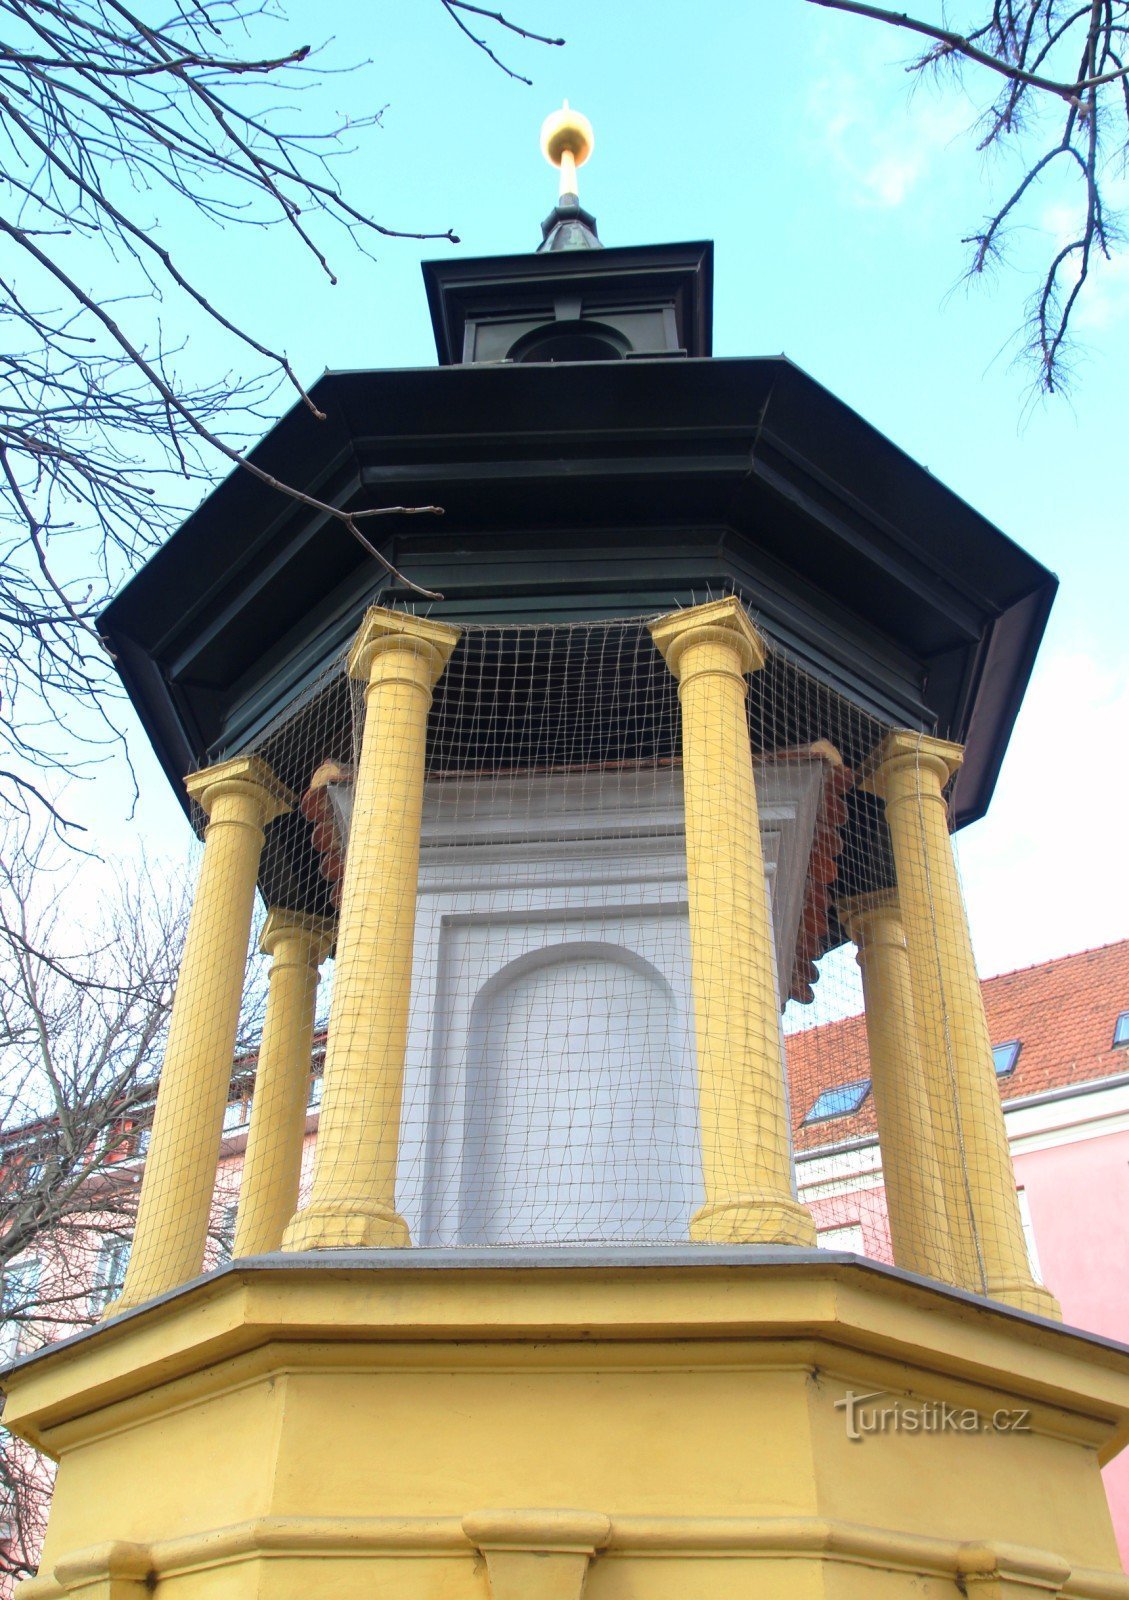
(566, 141)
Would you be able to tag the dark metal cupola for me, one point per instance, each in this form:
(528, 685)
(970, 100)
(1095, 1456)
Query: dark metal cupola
(573, 300)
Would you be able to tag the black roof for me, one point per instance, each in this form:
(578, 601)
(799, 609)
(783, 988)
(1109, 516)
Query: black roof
(589, 489)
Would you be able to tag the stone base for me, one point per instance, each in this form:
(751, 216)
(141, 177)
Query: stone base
(754, 1219)
(319, 1228)
(1027, 1296)
(711, 1423)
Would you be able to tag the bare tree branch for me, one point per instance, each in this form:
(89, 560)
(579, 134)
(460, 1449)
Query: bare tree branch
(113, 130)
(86, 984)
(454, 7)
(1069, 54)
(950, 42)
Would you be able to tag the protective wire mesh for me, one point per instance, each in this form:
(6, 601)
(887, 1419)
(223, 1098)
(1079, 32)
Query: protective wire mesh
(544, 1029)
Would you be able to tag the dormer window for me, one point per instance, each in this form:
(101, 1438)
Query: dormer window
(840, 1101)
(1004, 1057)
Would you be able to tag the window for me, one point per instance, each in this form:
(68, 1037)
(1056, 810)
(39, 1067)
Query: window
(1121, 1029)
(840, 1101)
(576, 340)
(846, 1237)
(1029, 1235)
(1004, 1056)
(109, 1272)
(17, 1303)
(225, 1233)
(234, 1116)
(9, 1513)
(316, 1086)
(141, 1139)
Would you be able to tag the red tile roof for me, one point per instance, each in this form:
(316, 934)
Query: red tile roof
(1063, 1012)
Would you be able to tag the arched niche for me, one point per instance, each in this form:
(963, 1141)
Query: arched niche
(593, 1138)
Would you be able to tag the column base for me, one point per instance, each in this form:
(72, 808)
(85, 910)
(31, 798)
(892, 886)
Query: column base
(325, 1228)
(753, 1218)
(1025, 1296)
(130, 1302)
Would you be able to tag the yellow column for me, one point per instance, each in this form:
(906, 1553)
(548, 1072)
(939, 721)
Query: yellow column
(239, 798)
(268, 1193)
(909, 771)
(353, 1197)
(915, 1196)
(746, 1145)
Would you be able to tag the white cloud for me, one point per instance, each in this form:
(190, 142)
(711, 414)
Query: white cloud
(882, 148)
(1047, 872)
(1104, 301)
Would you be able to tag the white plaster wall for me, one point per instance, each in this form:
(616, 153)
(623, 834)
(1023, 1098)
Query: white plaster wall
(550, 1089)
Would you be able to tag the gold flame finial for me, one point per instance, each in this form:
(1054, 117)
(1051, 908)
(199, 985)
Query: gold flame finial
(566, 141)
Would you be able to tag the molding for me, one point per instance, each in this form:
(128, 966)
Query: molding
(827, 1184)
(1067, 1119)
(1068, 1091)
(1023, 1571)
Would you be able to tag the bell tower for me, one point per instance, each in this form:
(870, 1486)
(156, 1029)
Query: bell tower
(522, 1303)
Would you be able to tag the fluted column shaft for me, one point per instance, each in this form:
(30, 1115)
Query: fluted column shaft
(272, 1167)
(746, 1145)
(353, 1197)
(915, 1196)
(239, 798)
(909, 772)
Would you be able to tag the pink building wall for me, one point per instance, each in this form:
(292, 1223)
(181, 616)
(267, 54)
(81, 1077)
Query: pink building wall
(1078, 1195)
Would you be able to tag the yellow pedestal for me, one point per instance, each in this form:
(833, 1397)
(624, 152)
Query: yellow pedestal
(637, 1426)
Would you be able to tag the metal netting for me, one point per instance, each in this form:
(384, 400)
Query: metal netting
(573, 953)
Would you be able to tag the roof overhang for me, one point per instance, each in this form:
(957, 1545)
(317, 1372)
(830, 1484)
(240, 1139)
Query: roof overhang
(589, 489)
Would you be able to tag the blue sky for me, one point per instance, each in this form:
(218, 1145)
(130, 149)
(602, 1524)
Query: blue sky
(836, 194)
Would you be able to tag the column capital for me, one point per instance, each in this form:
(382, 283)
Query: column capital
(283, 924)
(433, 641)
(859, 913)
(903, 749)
(716, 622)
(245, 775)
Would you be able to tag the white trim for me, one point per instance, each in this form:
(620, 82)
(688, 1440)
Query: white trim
(826, 1177)
(842, 1236)
(1046, 1125)
(1069, 1120)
